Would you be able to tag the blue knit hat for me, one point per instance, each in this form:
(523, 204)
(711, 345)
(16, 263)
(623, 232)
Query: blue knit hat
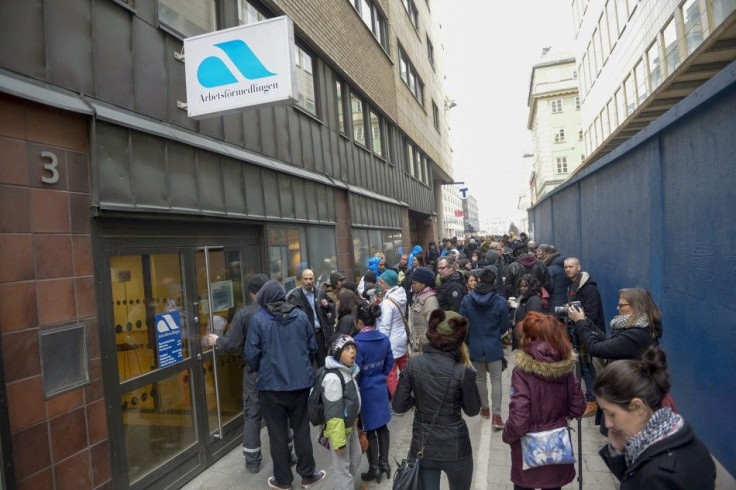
(424, 275)
(390, 277)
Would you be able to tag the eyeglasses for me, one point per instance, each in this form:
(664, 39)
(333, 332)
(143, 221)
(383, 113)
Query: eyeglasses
(621, 305)
(442, 268)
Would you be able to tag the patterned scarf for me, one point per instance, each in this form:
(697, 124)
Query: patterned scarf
(622, 322)
(663, 423)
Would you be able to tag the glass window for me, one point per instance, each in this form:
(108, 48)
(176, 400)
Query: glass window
(620, 105)
(631, 6)
(580, 133)
(556, 106)
(409, 76)
(560, 135)
(411, 10)
(356, 106)
(630, 92)
(392, 248)
(641, 82)
(561, 165)
(305, 81)
(361, 251)
(612, 114)
(622, 14)
(612, 24)
(596, 53)
(435, 116)
(189, 17)
(577, 102)
(376, 133)
(671, 49)
(430, 52)
(417, 163)
(366, 13)
(721, 9)
(285, 254)
(603, 32)
(693, 26)
(410, 158)
(605, 125)
(248, 14)
(341, 121)
(322, 252)
(655, 68)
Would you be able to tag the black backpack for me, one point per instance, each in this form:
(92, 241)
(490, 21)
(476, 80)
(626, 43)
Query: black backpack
(315, 405)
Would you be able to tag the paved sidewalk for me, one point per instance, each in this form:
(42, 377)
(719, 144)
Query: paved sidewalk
(492, 457)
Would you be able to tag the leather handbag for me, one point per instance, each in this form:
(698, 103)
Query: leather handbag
(362, 435)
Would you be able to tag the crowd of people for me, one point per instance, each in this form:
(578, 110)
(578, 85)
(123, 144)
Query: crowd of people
(427, 334)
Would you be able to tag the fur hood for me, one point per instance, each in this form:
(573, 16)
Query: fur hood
(541, 360)
(549, 258)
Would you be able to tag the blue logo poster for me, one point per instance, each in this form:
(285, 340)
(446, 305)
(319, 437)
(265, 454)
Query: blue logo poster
(168, 338)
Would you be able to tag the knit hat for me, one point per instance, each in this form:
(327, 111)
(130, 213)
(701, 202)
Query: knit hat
(255, 283)
(390, 277)
(370, 276)
(335, 277)
(424, 275)
(339, 344)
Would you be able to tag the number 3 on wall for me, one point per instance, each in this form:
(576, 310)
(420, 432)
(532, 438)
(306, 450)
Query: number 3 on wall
(51, 167)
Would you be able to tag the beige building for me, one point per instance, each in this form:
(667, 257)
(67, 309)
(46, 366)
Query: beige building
(554, 119)
(637, 59)
(452, 212)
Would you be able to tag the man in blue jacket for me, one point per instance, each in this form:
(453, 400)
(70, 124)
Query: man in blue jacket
(279, 349)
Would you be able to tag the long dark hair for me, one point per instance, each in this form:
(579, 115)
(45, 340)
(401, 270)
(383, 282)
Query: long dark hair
(348, 303)
(646, 378)
(534, 285)
(642, 304)
(368, 314)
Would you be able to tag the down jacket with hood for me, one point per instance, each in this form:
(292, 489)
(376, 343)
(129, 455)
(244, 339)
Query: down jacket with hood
(280, 343)
(341, 407)
(488, 314)
(391, 323)
(544, 392)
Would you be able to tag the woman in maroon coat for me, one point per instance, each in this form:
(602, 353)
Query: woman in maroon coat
(544, 392)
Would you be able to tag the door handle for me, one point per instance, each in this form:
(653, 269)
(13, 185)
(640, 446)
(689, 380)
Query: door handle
(199, 357)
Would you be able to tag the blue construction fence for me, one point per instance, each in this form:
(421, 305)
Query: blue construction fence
(659, 212)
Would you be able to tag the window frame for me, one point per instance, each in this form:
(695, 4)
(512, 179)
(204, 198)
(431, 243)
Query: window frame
(556, 106)
(176, 31)
(341, 103)
(559, 135)
(435, 116)
(379, 21)
(413, 81)
(430, 52)
(411, 10)
(364, 143)
(315, 83)
(561, 165)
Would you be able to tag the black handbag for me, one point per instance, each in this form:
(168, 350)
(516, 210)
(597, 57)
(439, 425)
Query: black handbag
(407, 472)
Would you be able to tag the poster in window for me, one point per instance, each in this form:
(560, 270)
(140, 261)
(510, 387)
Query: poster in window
(222, 295)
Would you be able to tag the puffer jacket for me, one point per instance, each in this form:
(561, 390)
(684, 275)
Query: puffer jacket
(424, 304)
(451, 292)
(341, 407)
(391, 322)
(424, 381)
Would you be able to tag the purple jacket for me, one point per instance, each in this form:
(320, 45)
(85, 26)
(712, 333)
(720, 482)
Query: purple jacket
(543, 386)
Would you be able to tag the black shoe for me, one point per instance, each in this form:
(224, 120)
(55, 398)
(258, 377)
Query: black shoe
(385, 467)
(292, 459)
(253, 468)
(373, 473)
(317, 477)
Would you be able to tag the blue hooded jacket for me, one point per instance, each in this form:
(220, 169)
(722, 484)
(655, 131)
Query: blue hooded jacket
(488, 314)
(415, 251)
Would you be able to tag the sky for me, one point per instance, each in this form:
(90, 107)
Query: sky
(489, 49)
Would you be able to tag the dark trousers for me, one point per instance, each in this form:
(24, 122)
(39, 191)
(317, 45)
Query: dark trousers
(459, 473)
(319, 336)
(251, 419)
(378, 444)
(517, 487)
(588, 376)
(280, 410)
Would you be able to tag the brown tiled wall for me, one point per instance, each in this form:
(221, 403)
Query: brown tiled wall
(46, 280)
(343, 236)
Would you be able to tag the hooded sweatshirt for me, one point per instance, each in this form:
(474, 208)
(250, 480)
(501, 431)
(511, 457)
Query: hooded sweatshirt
(488, 315)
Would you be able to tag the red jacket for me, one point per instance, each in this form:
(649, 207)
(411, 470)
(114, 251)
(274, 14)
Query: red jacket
(543, 391)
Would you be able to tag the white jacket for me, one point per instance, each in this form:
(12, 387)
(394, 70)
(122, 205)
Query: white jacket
(390, 322)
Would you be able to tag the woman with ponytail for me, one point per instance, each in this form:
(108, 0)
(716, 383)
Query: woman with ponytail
(375, 361)
(649, 445)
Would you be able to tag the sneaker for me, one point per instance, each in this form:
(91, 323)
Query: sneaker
(590, 409)
(497, 422)
(317, 477)
(485, 413)
(272, 483)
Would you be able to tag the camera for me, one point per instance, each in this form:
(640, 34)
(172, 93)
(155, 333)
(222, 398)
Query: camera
(561, 311)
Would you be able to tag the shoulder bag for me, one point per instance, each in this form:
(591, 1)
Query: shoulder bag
(403, 319)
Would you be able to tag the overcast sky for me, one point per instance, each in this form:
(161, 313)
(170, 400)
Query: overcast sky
(489, 49)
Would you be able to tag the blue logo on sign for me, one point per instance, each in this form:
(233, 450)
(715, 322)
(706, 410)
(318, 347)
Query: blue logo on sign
(212, 72)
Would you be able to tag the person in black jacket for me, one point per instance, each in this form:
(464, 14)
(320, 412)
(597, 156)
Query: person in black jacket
(525, 263)
(320, 311)
(439, 384)
(649, 445)
(552, 259)
(452, 289)
(529, 298)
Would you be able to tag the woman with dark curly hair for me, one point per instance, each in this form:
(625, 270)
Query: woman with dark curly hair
(529, 299)
(439, 384)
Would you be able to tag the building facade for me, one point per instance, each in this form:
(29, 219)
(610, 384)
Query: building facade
(470, 213)
(637, 59)
(554, 120)
(452, 212)
(128, 230)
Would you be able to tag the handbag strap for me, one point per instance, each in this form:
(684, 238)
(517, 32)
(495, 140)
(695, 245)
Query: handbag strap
(398, 308)
(437, 413)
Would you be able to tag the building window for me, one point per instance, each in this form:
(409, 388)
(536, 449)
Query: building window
(580, 133)
(189, 18)
(356, 108)
(623, 15)
(372, 17)
(377, 134)
(340, 93)
(671, 51)
(436, 116)
(556, 106)
(430, 52)
(248, 14)
(655, 68)
(605, 124)
(410, 158)
(561, 165)
(577, 102)
(411, 9)
(612, 115)
(721, 9)
(693, 27)
(560, 135)
(620, 105)
(631, 5)
(305, 81)
(410, 77)
(612, 27)
(603, 31)
(630, 94)
(641, 82)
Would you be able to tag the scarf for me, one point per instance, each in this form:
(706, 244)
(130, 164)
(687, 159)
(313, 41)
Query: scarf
(622, 322)
(663, 423)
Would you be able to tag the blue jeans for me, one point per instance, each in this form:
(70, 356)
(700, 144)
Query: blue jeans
(459, 473)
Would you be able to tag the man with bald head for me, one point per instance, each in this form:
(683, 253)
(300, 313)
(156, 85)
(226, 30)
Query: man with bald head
(319, 309)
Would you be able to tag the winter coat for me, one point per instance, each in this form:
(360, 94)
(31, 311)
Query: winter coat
(325, 314)
(234, 340)
(558, 280)
(587, 294)
(488, 315)
(629, 344)
(424, 381)
(414, 251)
(341, 407)
(431, 256)
(424, 304)
(543, 392)
(451, 292)
(527, 304)
(279, 348)
(494, 260)
(526, 264)
(375, 361)
(391, 322)
(677, 462)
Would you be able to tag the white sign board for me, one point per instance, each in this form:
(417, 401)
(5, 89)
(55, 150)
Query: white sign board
(243, 67)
